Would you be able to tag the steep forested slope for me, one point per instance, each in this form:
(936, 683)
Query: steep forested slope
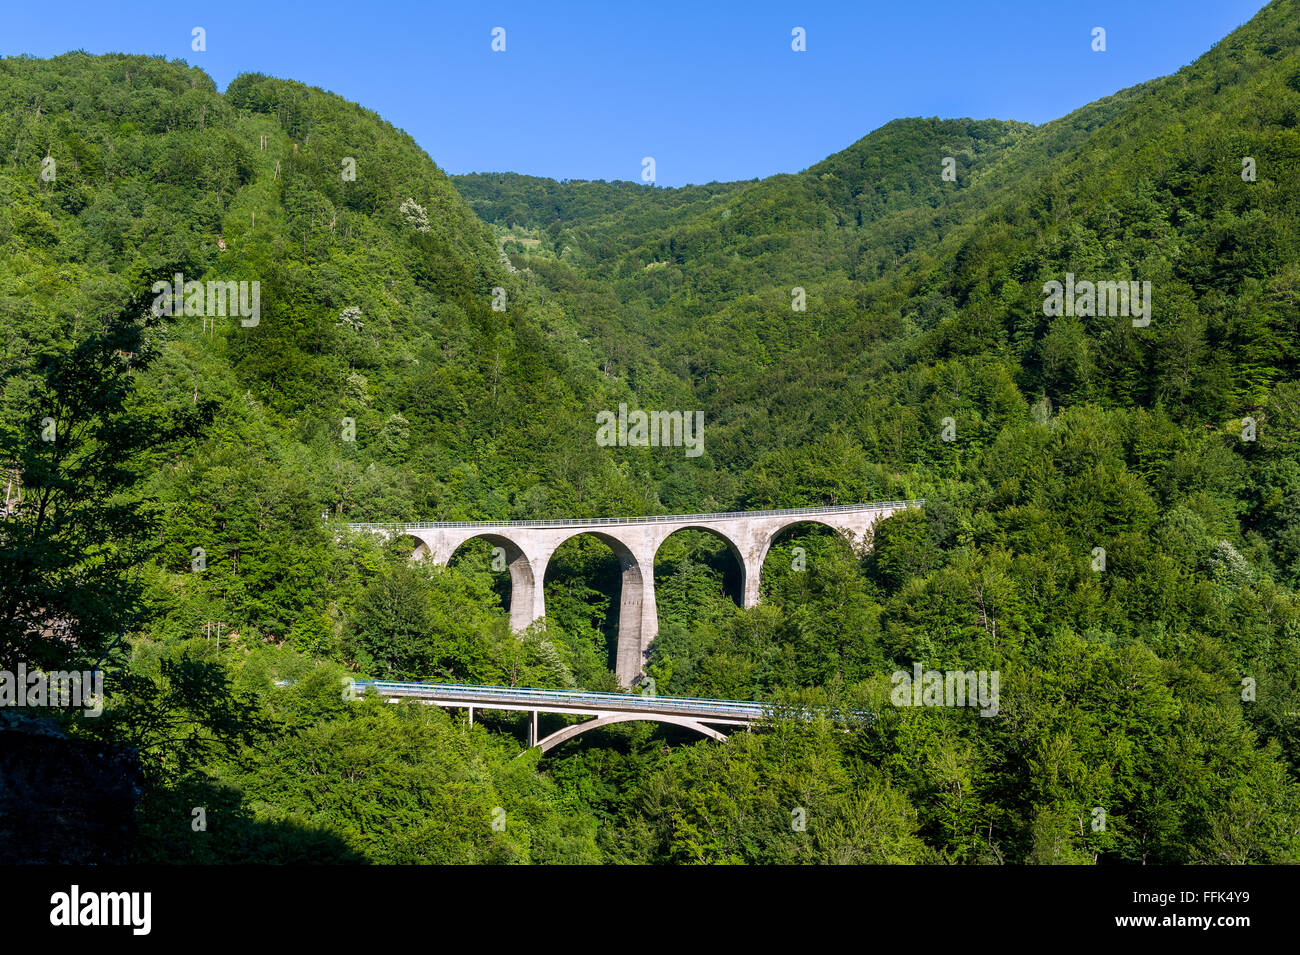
(376, 381)
(156, 174)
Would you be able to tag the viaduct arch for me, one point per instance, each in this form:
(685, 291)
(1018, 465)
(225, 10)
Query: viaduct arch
(528, 546)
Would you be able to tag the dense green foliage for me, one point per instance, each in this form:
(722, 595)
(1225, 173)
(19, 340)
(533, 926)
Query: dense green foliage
(602, 216)
(1158, 684)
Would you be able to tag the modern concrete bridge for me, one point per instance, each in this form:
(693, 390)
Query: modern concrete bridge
(528, 546)
(606, 708)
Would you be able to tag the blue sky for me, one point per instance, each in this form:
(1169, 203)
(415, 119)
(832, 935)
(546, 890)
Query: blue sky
(711, 91)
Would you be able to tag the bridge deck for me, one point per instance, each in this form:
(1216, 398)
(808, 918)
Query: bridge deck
(568, 701)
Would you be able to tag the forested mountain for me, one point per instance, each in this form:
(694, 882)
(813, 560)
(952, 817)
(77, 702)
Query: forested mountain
(610, 213)
(1112, 516)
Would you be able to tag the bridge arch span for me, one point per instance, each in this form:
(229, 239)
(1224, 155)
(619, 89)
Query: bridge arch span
(547, 743)
(637, 614)
(525, 582)
(615, 543)
(439, 544)
(732, 546)
(845, 534)
(717, 532)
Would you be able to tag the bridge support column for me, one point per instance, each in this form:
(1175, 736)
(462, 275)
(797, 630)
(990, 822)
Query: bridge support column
(527, 597)
(638, 617)
(751, 571)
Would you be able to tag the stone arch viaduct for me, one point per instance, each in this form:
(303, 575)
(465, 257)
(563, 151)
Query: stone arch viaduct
(528, 546)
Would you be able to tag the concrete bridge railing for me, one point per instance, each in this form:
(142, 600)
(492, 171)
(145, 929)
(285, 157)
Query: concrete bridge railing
(529, 545)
